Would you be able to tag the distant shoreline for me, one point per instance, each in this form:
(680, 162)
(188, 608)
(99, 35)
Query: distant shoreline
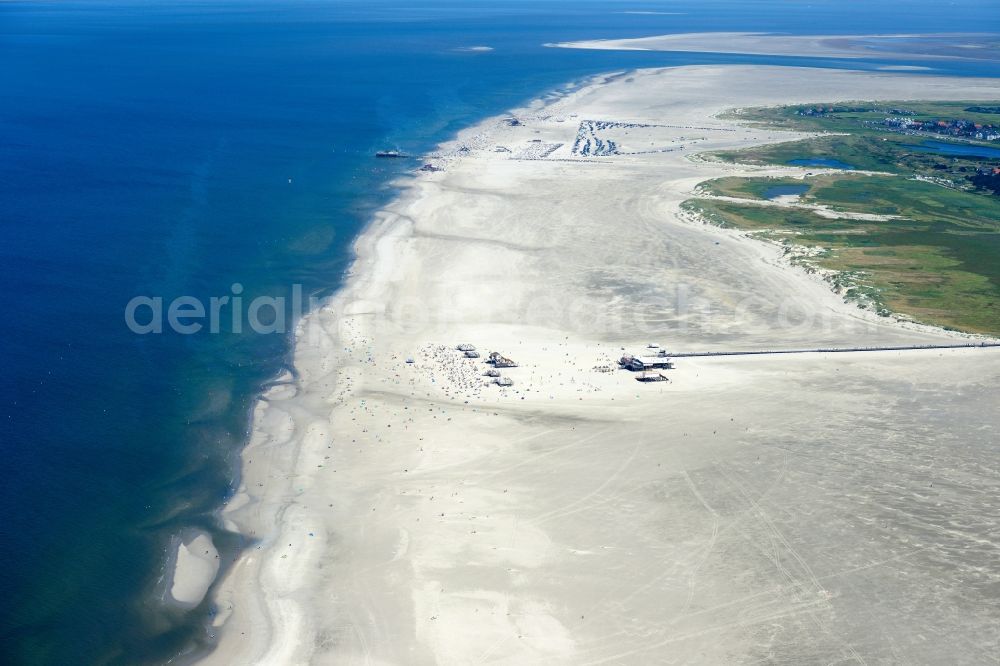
(884, 46)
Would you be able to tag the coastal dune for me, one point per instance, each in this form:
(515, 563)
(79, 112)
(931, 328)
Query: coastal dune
(404, 509)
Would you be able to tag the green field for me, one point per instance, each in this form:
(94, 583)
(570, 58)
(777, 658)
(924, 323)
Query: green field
(866, 152)
(937, 259)
(856, 140)
(787, 117)
(928, 204)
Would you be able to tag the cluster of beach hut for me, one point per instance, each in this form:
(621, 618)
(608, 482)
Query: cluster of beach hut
(468, 350)
(495, 359)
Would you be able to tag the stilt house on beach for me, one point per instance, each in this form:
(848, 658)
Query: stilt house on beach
(499, 361)
(644, 363)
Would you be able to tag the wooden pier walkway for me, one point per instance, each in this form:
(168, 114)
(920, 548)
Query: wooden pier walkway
(836, 350)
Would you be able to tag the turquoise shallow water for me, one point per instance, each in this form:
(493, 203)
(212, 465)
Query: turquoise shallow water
(176, 148)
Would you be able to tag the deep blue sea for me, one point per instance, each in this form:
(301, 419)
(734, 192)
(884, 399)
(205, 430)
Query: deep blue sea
(175, 148)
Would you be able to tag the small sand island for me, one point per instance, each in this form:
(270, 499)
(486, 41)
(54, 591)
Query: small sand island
(465, 469)
(196, 564)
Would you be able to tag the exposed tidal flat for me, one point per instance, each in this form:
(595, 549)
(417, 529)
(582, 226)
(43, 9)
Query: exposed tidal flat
(810, 509)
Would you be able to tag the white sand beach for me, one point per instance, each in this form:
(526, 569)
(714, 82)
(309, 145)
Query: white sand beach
(817, 508)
